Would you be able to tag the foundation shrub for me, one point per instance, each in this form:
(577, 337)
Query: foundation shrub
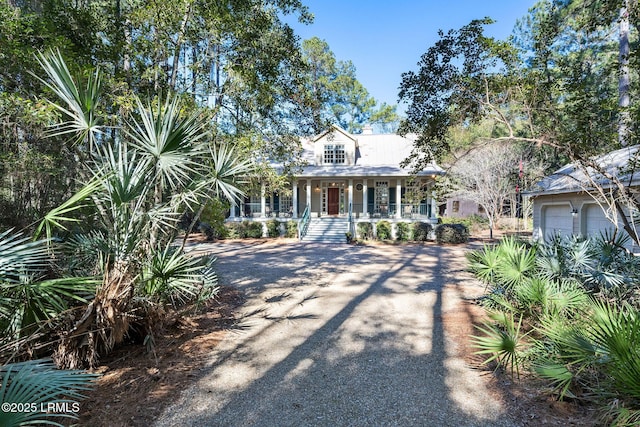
(253, 229)
(273, 228)
(403, 232)
(452, 233)
(365, 230)
(292, 229)
(421, 231)
(383, 230)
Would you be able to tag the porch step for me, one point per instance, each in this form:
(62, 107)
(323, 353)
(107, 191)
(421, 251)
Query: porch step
(327, 230)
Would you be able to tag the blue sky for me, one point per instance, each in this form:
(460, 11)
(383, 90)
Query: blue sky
(384, 38)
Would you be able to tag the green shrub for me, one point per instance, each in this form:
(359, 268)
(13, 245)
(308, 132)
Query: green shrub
(472, 222)
(383, 230)
(273, 228)
(403, 232)
(452, 233)
(253, 229)
(213, 217)
(234, 230)
(421, 231)
(365, 230)
(292, 229)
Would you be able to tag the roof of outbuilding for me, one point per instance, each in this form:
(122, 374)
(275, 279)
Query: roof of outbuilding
(570, 179)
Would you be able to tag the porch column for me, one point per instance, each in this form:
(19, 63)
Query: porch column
(294, 199)
(398, 198)
(434, 207)
(309, 194)
(263, 200)
(232, 212)
(351, 195)
(365, 197)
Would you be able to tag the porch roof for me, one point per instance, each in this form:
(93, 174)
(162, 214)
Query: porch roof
(354, 171)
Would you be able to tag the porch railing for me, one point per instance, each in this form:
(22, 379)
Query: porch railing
(304, 223)
(251, 210)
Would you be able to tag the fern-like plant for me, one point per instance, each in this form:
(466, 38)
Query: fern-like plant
(502, 341)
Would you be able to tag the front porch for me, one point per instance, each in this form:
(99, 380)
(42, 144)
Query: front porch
(379, 198)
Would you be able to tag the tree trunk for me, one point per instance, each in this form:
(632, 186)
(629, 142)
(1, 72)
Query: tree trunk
(623, 80)
(178, 46)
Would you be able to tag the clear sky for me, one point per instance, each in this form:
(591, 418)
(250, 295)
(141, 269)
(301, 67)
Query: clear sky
(384, 38)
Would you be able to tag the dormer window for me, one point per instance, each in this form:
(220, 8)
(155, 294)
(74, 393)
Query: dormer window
(334, 154)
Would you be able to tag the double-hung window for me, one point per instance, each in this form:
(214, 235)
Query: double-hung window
(334, 154)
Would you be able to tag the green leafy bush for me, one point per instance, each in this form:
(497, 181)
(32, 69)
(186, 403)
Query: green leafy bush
(292, 229)
(452, 233)
(403, 232)
(472, 222)
(383, 230)
(235, 230)
(212, 219)
(273, 228)
(365, 230)
(421, 231)
(253, 229)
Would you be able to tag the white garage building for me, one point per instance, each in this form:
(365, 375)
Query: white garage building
(563, 202)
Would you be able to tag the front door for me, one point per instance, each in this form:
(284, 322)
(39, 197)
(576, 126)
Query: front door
(333, 201)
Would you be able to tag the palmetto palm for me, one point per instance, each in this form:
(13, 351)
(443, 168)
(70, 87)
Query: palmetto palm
(38, 382)
(28, 295)
(79, 103)
(159, 163)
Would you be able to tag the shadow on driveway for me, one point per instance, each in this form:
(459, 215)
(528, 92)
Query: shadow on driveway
(340, 335)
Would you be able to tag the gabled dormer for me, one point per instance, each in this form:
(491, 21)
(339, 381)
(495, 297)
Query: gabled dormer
(335, 147)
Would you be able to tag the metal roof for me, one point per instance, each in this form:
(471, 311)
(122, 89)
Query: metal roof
(570, 179)
(376, 155)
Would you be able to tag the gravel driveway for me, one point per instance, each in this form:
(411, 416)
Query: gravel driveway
(340, 336)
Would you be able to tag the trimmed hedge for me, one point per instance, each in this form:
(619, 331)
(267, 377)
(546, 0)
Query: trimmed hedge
(273, 228)
(421, 231)
(403, 232)
(244, 230)
(383, 230)
(452, 233)
(365, 230)
(292, 229)
(254, 229)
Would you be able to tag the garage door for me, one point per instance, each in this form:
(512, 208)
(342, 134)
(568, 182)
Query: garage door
(557, 219)
(596, 222)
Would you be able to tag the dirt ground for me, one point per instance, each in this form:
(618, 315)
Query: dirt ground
(139, 381)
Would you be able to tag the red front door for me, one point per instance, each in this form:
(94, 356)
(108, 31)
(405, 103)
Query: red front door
(333, 201)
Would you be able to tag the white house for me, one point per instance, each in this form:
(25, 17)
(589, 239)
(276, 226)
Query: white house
(563, 204)
(351, 176)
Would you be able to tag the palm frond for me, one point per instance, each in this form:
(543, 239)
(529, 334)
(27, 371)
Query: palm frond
(19, 256)
(38, 382)
(167, 142)
(226, 171)
(502, 342)
(80, 104)
(175, 277)
(617, 331)
(59, 215)
(484, 263)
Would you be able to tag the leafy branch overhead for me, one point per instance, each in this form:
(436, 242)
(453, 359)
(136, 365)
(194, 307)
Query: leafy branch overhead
(455, 85)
